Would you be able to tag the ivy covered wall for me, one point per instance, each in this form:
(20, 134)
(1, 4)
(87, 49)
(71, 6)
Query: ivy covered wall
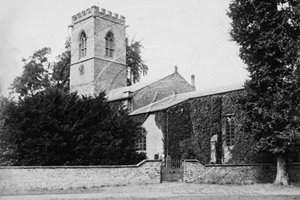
(188, 128)
(175, 124)
(203, 127)
(243, 151)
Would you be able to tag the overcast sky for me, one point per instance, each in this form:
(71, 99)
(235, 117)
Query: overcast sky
(192, 34)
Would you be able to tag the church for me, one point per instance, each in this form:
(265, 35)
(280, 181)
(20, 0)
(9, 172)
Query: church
(98, 62)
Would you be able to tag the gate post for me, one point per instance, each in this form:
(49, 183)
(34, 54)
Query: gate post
(168, 161)
(161, 173)
(183, 175)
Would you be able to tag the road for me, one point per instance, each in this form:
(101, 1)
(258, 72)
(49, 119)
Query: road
(155, 195)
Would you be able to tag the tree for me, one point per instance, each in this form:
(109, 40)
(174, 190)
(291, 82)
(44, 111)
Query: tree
(34, 77)
(39, 74)
(54, 127)
(49, 126)
(6, 144)
(60, 77)
(268, 34)
(135, 65)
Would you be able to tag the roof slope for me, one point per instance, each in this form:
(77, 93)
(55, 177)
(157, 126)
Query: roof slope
(178, 98)
(125, 92)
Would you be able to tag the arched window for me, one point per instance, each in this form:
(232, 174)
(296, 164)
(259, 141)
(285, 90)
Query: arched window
(230, 128)
(82, 45)
(109, 44)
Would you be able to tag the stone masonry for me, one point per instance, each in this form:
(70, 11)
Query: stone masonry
(96, 71)
(196, 172)
(23, 179)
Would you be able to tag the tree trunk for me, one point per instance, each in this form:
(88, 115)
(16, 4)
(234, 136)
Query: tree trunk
(282, 177)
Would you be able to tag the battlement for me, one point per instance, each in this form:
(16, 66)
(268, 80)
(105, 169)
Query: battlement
(95, 12)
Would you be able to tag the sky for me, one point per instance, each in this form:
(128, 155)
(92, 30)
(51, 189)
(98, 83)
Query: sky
(191, 34)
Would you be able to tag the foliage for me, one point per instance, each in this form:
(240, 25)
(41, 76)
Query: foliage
(6, 147)
(50, 127)
(39, 74)
(140, 119)
(268, 34)
(206, 118)
(60, 77)
(243, 151)
(201, 122)
(188, 132)
(34, 77)
(135, 65)
(54, 127)
(216, 124)
(175, 124)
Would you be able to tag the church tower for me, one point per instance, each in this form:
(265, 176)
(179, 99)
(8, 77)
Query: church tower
(98, 51)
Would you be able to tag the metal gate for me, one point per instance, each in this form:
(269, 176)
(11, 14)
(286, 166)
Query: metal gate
(171, 170)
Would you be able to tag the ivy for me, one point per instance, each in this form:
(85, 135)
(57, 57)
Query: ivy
(216, 112)
(244, 151)
(140, 119)
(175, 124)
(189, 126)
(201, 121)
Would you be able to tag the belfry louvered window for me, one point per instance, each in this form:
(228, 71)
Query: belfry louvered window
(82, 45)
(109, 44)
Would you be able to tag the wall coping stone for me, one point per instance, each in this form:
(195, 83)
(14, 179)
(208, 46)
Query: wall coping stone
(238, 165)
(79, 166)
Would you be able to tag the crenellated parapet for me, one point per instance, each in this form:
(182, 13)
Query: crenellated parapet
(95, 12)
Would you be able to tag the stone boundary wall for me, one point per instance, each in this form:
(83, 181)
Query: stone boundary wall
(20, 179)
(195, 172)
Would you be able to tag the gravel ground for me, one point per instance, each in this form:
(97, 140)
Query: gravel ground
(128, 197)
(176, 188)
(189, 188)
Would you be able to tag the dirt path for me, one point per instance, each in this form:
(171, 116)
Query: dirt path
(177, 189)
(149, 196)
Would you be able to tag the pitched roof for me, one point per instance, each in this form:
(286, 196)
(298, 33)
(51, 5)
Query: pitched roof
(178, 98)
(125, 92)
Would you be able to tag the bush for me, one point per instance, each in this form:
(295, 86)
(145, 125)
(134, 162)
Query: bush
(58, 128)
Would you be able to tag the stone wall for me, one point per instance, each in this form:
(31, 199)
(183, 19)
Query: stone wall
(20, 179)
(196, 172)
(23, 179)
